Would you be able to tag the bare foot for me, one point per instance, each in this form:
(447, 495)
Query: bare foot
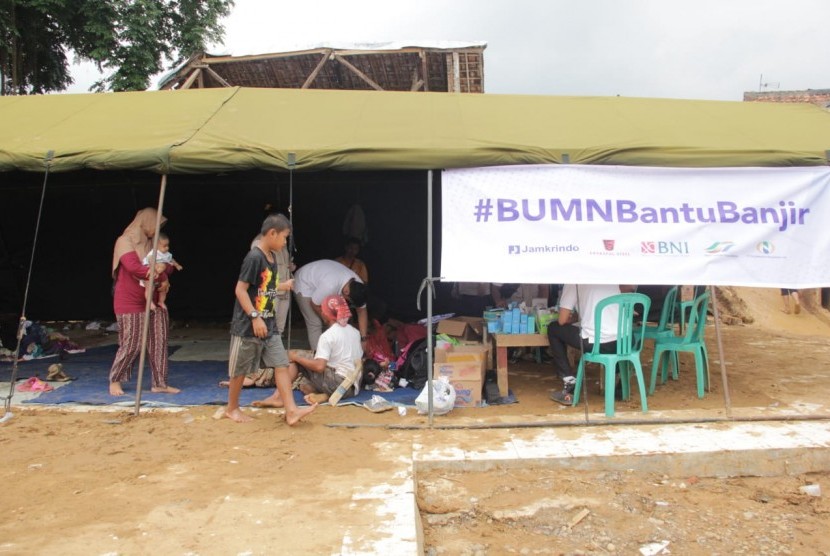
(115, 389)
(270, 401)
(164, 390)
(247, 383)
(797, 308)
(316, 398)
(297, 415)
(237, 416)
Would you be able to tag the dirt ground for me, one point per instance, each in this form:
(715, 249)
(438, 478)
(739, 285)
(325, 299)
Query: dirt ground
(92, 482)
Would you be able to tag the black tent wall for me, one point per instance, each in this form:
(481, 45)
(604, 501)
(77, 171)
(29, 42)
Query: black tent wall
(211, 221)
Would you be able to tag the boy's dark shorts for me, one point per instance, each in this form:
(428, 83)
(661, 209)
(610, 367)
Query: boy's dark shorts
(248, 355)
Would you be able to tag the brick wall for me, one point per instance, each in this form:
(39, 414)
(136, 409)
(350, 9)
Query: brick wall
(820, 97)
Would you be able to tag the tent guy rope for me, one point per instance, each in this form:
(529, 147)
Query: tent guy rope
(50, 155)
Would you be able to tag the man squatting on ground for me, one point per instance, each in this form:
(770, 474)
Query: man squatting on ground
(338, 351)
(254, 338)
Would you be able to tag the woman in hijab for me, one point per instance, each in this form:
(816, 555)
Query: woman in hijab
(129, 304)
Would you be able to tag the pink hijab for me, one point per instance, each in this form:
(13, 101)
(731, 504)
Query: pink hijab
(138, 236)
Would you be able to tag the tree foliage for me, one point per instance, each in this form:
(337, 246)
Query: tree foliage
(130, 39)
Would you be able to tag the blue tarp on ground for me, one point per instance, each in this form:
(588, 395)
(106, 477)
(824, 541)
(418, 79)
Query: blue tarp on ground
(198, 380)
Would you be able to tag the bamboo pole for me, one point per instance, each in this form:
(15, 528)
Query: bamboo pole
(151, 283)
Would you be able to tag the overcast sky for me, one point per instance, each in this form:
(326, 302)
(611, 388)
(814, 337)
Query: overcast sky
(701, 49)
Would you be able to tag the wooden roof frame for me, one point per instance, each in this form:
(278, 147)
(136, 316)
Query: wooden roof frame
(414, 68)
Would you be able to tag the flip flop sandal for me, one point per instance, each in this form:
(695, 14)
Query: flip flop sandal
(56, 374)
(26, 386)
(40, 386)
(565, 398)
(34, 384)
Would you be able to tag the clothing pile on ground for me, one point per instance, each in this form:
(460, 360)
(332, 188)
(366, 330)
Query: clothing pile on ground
(39, 341)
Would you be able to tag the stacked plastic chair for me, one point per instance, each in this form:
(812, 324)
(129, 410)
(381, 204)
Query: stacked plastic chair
(666, 349)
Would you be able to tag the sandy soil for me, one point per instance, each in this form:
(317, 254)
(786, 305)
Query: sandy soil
(94, 482)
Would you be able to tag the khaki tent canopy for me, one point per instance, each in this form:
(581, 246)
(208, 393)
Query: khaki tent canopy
(217, 130)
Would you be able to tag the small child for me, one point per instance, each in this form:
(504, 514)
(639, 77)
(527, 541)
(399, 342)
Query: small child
(163, 257)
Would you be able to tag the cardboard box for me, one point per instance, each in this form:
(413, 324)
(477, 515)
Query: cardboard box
(467, 379)
(465, 353)
(466, 328)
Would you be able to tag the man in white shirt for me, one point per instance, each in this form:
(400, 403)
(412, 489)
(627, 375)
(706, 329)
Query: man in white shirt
(578, 303)
(315, 281)
(338, 352)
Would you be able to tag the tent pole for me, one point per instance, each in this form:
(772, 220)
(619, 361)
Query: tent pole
(22, 323)
(151, 283)
(727, 402)
(292, 162)
(430, 338)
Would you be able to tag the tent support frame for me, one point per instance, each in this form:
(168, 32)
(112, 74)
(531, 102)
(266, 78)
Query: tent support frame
(726, 399)
(151, 283)
(21, 326)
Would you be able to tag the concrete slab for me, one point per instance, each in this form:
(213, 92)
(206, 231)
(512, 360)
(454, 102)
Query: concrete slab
(677, 450)
(703, 449)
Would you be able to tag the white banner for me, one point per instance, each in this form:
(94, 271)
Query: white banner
(765, 227)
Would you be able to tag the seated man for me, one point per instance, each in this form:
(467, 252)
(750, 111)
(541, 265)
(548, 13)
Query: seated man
(337, 352)
(582, 301)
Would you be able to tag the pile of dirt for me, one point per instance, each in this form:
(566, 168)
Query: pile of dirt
(732, 309)
(764, 307)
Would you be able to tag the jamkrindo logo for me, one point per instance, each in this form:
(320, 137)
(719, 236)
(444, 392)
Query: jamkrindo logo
(720, 247)
(541, 249)
(765, 247)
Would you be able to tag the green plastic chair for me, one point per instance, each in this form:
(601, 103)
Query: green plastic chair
(693, 341)
(684, 306)
(665, 327)
(627, 355)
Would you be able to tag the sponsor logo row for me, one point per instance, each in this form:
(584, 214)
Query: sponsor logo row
(675, 248)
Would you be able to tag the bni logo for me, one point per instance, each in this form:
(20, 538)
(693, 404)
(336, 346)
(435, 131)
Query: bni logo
(513, 249)
(765, 247)
(664, 247)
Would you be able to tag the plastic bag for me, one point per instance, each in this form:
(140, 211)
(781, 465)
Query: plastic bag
(377, 404)
(443, 397)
